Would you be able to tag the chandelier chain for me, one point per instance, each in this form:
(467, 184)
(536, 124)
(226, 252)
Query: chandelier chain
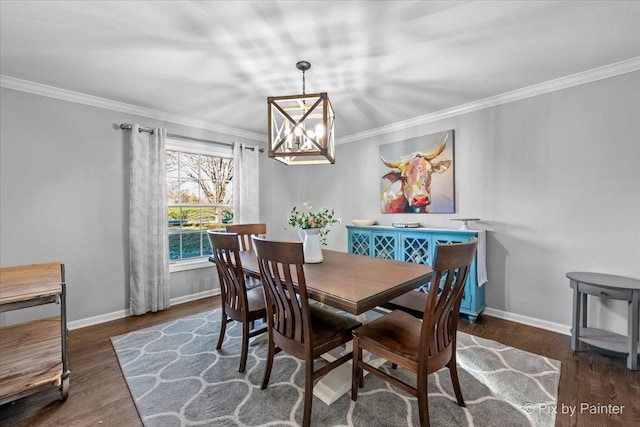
(303, 66)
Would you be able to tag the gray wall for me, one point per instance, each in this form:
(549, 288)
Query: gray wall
(555, 179)
(64, 173)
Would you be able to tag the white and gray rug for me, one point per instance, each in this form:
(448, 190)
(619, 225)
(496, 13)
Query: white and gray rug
(177, 378)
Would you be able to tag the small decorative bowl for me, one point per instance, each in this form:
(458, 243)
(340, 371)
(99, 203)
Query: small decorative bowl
(405, 224)
(364, 222)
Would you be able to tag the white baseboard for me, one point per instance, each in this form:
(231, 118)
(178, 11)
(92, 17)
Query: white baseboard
(530, 321)
(193, 297)
(518, 318)
(95, 320)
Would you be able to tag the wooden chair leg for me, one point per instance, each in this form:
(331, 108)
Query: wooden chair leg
(223, 328)
(245, 346)
(453, 371)
(355, 372)
(423, 402)
(308, 393)
(360, 370)
(267, 370)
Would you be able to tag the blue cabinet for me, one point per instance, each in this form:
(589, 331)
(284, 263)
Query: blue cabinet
(418, 245)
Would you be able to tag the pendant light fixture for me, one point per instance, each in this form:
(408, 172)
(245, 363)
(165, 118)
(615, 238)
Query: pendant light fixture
(300, 127)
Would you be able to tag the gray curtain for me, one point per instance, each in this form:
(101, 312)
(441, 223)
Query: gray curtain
(148, 232)
(246, 194)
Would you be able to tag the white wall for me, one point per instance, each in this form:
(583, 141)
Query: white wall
(555, 179)
(64, 174)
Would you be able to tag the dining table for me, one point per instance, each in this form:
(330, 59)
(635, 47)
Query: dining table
(355, 284)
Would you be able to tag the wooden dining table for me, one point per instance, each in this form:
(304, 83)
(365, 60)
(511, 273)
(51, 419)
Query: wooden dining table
(354, 283)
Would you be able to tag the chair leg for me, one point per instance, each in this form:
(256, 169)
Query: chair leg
(394, 366)
(360, 370)
(267, 370)
(355, 372)
(223, 328)
(423, 402)
(453, 371)
(245, 346)
(308, 393)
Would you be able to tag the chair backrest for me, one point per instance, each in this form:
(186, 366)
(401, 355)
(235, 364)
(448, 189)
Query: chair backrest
(451, 266)
(226, 250)
(245, 232)
(280, 267)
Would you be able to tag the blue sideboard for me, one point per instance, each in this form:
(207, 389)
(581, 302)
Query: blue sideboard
(418, 245)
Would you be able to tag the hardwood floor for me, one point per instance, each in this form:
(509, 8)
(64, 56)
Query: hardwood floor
(99, 395)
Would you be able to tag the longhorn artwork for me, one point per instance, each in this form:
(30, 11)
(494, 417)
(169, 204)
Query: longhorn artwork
(416, 175)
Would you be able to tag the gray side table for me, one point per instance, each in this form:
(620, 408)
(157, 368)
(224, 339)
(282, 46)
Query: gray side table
(606, 286)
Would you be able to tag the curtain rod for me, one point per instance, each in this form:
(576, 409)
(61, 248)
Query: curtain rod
(129, 126)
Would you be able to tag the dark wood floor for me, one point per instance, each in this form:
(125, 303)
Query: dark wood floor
(99, 394)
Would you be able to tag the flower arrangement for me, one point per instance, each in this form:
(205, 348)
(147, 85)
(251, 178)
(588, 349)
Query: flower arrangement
(323, 219)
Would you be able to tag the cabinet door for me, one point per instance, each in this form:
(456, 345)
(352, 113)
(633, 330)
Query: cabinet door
(385, 244)
(416, 248)
(360, 242)
(469, 289)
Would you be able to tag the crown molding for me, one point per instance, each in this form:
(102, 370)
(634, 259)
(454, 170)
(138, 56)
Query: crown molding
(95, 101)
(605, 72)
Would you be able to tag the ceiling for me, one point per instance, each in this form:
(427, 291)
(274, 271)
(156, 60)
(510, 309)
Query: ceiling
(381, 62)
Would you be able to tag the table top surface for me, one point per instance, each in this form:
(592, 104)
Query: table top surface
(354, 283)
(605, 280)
(27, 282)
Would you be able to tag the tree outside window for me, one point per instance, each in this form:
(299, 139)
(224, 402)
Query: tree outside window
(200, 198)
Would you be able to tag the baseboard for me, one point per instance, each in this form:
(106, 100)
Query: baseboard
(530, 321)
(513, 317)
(193, 297)
(95, 320)
(120, 314)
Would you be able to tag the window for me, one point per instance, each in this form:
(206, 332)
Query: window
(199, 195)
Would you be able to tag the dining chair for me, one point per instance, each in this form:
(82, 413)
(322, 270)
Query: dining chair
(238, 303)
(420, 346)
(413, 302)
(303, 330)
(245, 232)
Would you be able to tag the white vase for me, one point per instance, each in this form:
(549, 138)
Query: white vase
(311, 245)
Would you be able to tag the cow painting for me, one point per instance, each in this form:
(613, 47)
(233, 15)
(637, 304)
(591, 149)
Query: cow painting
(406, 184)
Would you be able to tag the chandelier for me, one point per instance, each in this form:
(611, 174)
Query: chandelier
(300, 127)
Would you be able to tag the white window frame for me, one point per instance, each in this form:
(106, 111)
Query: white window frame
(203, 148)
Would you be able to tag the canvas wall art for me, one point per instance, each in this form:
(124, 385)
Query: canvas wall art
(417, 175)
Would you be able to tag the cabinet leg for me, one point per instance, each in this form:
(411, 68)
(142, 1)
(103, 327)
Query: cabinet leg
(472, 318)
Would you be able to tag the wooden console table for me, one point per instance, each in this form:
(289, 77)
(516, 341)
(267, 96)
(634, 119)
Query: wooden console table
(612, 287)
(33, 355)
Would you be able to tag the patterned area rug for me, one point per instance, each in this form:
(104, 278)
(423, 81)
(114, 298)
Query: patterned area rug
(177, 378)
